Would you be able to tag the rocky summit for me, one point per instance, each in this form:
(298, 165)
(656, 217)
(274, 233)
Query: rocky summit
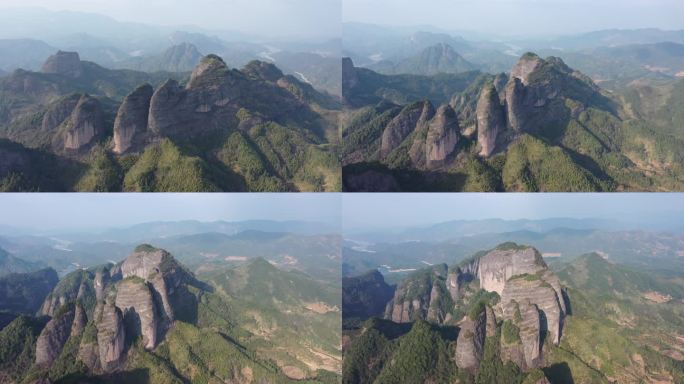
(133, 300)
(530, 299)
(64, 63)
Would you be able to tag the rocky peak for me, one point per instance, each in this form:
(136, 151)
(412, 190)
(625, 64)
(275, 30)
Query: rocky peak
(64, 63)
(86, 123)
(209, 68)
(497, 266)
(442, 136)
(412, 117)
(470, 342)
(131, 119)
(146, 262)
(53, 337)
(260, 70)
(111, 337)
(528, 63)
(491, 119)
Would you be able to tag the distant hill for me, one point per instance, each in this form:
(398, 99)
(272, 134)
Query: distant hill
(439, 58)
(10, 264)
(23, 293)
(183, 57)
(23, 53)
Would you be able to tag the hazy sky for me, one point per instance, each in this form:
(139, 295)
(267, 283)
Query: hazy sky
(261, 17)
(391, 211)
(96, 211)
(519, 17)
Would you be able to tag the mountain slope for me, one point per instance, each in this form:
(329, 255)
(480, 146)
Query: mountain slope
(223, 129)
(148, 319)
(546, 127)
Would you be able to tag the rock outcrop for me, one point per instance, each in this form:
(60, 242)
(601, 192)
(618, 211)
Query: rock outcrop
(80, 321)
(470, 343)
(419, 298)
(66, 291)
(85, 123)
(64, 63)
(533, 289)
(537, 97)
(130, 125)
(491, 120)
(442, 136)
(497, 266)
(411, 118)
(135, 300)
(53, 337)
(111, 337)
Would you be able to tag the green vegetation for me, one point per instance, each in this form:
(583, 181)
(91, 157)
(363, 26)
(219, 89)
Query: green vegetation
(103, 174)
(17, 345)
(163, 168)
(510, 332)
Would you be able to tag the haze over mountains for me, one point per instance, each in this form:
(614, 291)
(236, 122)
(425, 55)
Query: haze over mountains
(429, 110)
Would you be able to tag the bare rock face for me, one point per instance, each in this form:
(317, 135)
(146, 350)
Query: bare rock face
(535, 290)
(515, 104)
(134, 298)
(85, 124)
(526, 317)
(110, 337)
(470, 343)
(442, 136)
(131, 120)
(100, 282)
(53, 337)
(80, 321)
(64, 63)
(491, 120)
(504, 262)
(204, 106)
(412, 117)
(164, 275)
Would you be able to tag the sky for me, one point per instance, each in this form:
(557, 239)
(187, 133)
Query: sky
(260, 17)
(519, 17)
(92, 211)
(394, 211)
